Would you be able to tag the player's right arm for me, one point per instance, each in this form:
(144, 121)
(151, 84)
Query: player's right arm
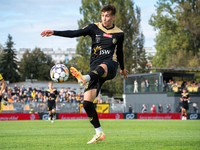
(70, 33)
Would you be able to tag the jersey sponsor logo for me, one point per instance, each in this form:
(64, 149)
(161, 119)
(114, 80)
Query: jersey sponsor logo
(101, 51)
(107, 35)
(98, 48)
(104, 52)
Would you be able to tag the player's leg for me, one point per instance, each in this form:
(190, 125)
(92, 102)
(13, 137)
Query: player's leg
(53, 114)
(50, 110)
(185, 114)
(100, 71)
(182, 112)
(89, 97)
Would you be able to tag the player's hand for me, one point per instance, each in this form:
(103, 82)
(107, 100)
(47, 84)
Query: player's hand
(124, 73)
(0, 93)
(47, 33)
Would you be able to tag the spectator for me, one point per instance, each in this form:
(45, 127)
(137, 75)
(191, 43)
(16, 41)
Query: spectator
(142, 86)
(73, 92)
(28, 101)
(13, 92)
(16, 88)
(169, 108)
(180, 89)
(5, 98)
(157, 85)
(30, 88)
(160, 108)
(135, 87)
(28, 92)
(33, 94)
(153, 109)
(169, 85)
(14, 98)
(20, 97)
(40, 97)
(130, 109)
(147, 85)
(164, 85)
(23, 89)
(144, 108)
(195, 108)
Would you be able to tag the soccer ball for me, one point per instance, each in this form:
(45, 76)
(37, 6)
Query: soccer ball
(59, 73)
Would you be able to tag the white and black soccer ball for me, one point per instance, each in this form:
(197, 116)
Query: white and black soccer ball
(59, 73)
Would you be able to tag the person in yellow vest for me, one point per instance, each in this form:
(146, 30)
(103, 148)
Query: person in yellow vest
(3, 86)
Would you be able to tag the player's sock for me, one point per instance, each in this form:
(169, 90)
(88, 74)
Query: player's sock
(54, 114)
(91, 113)
(98, 130)
(97, 73)
(50, 116)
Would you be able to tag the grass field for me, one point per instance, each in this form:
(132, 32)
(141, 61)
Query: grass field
(120, 135)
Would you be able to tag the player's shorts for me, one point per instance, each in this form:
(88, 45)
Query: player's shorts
(112, 71)
(0, 98)
(185, 106)
(51, 105)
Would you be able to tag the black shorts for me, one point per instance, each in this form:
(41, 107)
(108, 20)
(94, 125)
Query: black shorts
(51, 105)
(185, 106)
(112, 71)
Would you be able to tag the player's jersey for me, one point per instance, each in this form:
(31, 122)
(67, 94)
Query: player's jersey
(1, 78)
(185, 97)
(51, 94)
(107, 44)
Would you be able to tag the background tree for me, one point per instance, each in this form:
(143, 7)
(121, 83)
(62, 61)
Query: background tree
(179, 29)
(128, 19)
(1, 50)
(8, 62)
(36, 63)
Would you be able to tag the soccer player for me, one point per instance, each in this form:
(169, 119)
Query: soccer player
(106, 53)
(3, 86)
(185, 98)
(52, 95)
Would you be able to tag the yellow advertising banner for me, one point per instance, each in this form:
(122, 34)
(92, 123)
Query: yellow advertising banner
(101, 108)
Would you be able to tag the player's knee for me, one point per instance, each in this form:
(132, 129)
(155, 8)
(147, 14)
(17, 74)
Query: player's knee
(104, 66)
(86, 104)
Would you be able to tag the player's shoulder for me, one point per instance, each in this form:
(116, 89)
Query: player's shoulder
(113, 30)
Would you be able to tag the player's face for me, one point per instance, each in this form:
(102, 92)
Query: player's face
(107, 19)
(50, 85)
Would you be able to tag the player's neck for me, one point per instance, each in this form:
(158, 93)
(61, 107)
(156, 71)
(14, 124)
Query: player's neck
(109, 27)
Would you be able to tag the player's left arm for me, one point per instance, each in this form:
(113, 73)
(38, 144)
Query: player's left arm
(120, 57)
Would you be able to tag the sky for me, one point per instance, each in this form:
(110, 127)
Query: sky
(24, 20)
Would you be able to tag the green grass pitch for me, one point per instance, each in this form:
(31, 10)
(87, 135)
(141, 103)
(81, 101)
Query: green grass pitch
(120, 135)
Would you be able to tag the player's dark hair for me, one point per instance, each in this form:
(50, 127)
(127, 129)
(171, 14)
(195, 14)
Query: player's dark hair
(184, 89)
(111, 8)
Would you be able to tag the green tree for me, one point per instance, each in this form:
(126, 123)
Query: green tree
(127, 18)
(8, 62)
(179, 27)
(36, 63)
